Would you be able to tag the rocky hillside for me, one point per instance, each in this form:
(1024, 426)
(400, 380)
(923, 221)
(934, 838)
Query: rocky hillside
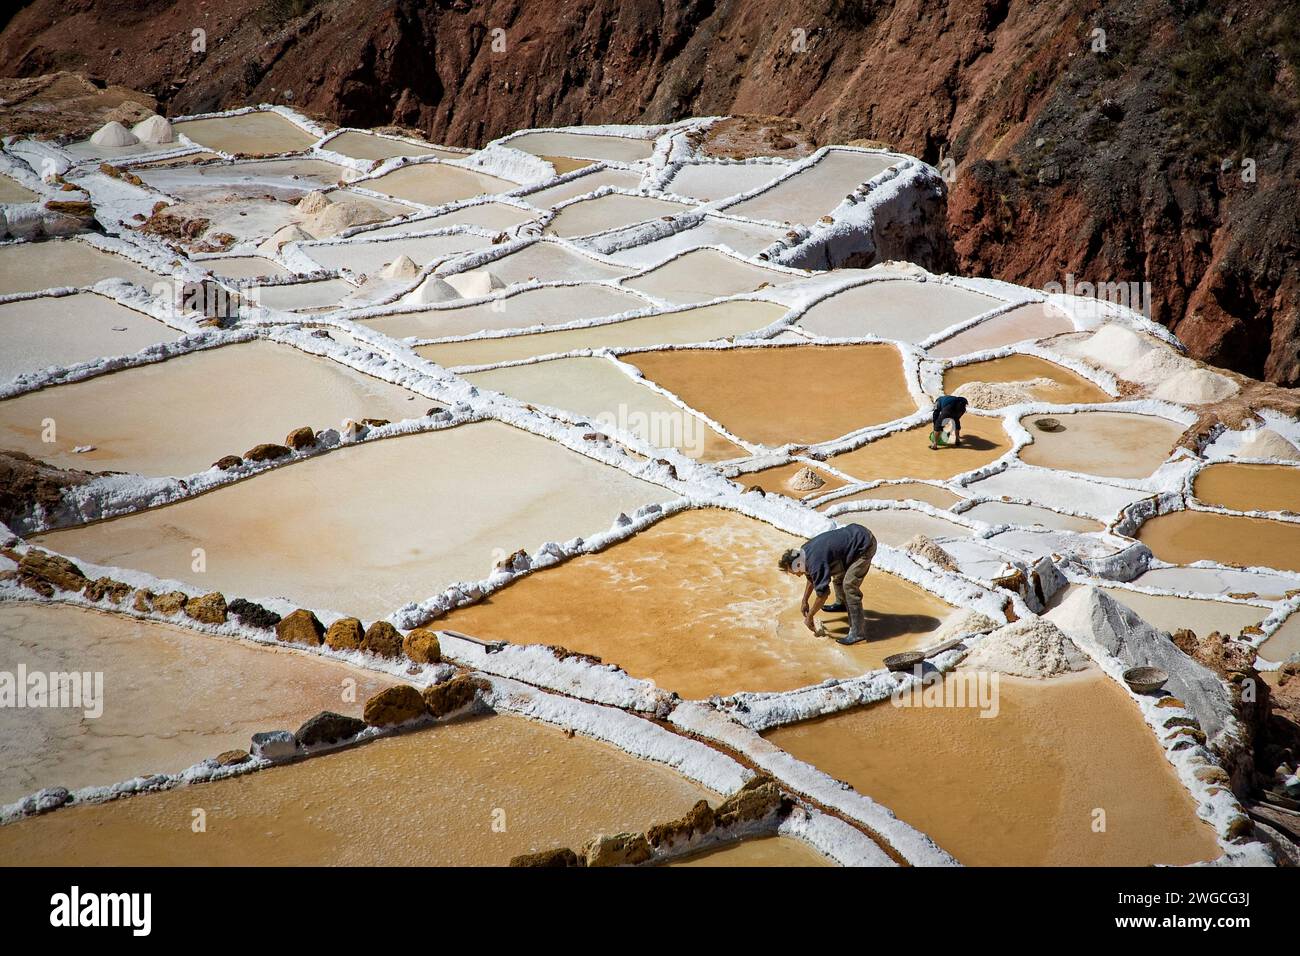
(1106, 141)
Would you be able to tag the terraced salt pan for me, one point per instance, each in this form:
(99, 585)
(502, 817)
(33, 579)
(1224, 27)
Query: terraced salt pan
(907, 454)
(57, 263)
(436, 183)
(1060, 491)
(171, 697)
(760, 851)
(903, 310)
(552, 196)
(1170, 613)
(12, 191)
(68, 329)
(778, 395)
(778, 480)
(1006, 512)
(367, 528)
(1068, 388)
(179, 416)
(703, 275)
(747, 239)
(549, 305)
(701, 324)
(597, 389)
(696, 604)
(896, 526)
(1019, 789)
(361, 145)
(610, 212)
(367, 257)
(1270, 586)
(202, 156)
(567, 164)
(902, 491)
(257, 132)
(1184, 537)
(284, 179)
(711, 181)
(551, 262)
(304, 296)
(1283, 643)
(1023, 324)
(243, 267)
(427, 798)
(1106, 444)
(815, 191)
(484, 215)
(623, 149)
(1242, 487)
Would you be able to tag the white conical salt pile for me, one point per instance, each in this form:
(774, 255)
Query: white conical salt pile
(1031, 647)
(1195, 386)
(926, 547)
(337, 216)
(403, 267)
(114, 134)
(992, 395)
(1115, 347)
(1266, 443)
(475, 283)
(155, 129)
(433, 289)
(313, 203)
(805, 479)
(285, 234)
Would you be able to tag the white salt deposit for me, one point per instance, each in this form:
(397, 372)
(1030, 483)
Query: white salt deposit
(1266, 443)
(1196, 386)
(155, 130)
(337, 216)
(928, 548)
(1002, 394)
(1031, 647)
(474, 284)
(805, 479)
(282, 236)
(114, 134)
(432, 289)
(1115, 347)
(312, 203)
(403, 267)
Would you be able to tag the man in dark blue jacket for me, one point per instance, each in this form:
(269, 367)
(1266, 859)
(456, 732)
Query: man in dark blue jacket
(948, 407)
(842, 557)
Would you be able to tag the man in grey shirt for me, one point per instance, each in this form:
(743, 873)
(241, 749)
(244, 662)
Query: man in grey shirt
(842, 557)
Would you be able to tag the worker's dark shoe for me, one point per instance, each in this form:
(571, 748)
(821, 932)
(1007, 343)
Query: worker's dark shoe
(836, 608)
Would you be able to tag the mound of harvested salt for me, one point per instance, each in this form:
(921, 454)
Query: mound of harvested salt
(284, 234)
(1001, 394)
(403, 267)
(1030, 647)
(927, 548)
(114, 134)
(1114, 347)
(432, 289)
(964, 622)
(475, 283)
(337, 216)
(1196, 386)
(312, 203)
(805, 479)
(154, 129)
(1156, 366)
(1266, 443)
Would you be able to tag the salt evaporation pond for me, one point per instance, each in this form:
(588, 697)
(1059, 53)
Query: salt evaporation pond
(1105, 444)
(610, 399)
(708, 182)
(746, 238)
(1283, 642)
(778, 480)
(434, 184)
(303, 296)
(896, 526)
(243, 267)
(907, 453)
(702, 324)
(255, 132)
(1243, 487)
(1020, 789)
(367, 528)
(902, 491)
(777, 395)
(696, 604)
(1008, 512)
(283, 179)
(549, 305)
(550, 262)
(1065, 387)
(58, 263)
(12, 191)
(624, 149)
(811, 193)
(483, 215)
(367, 257)
(1025, 323)
(758, 851)
(171, 697)
(552, 196)
(610, 212)
(703, 275)
(67, 330)
(361, 145)
(1171, 613)
(900, 309)
(1184, 537)
(179, 416)
(427, 798)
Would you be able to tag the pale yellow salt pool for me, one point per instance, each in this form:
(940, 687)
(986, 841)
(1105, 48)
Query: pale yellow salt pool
(257, 132)
(1242, 487)
(907, 454)
(1067, 388)
(1107, 444)
(610, 212)
(901, 309)
(436, 183)
(361, 145)
(758, 851)
(1025, 323)
(56, 263)
(1183, 537)
(705, 274)
(1169, 613)
(815, 191)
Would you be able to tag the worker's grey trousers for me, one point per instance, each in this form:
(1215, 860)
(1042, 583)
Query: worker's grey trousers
(848, 590)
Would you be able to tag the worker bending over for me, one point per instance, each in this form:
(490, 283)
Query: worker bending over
(841, 557)
(949, 408)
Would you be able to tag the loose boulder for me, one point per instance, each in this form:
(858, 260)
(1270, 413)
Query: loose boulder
(101, 588)
(252, 615)
(328, 728)
(394, 705)
(52, 569)
(757, 800)
(300, 627)
(422, 646)
(453, 695)
(345, 634)
(173, 602)
(619, 849)
(301, 438)
(560, 857)
(267, 451)
(382, 639)
(209, 609)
